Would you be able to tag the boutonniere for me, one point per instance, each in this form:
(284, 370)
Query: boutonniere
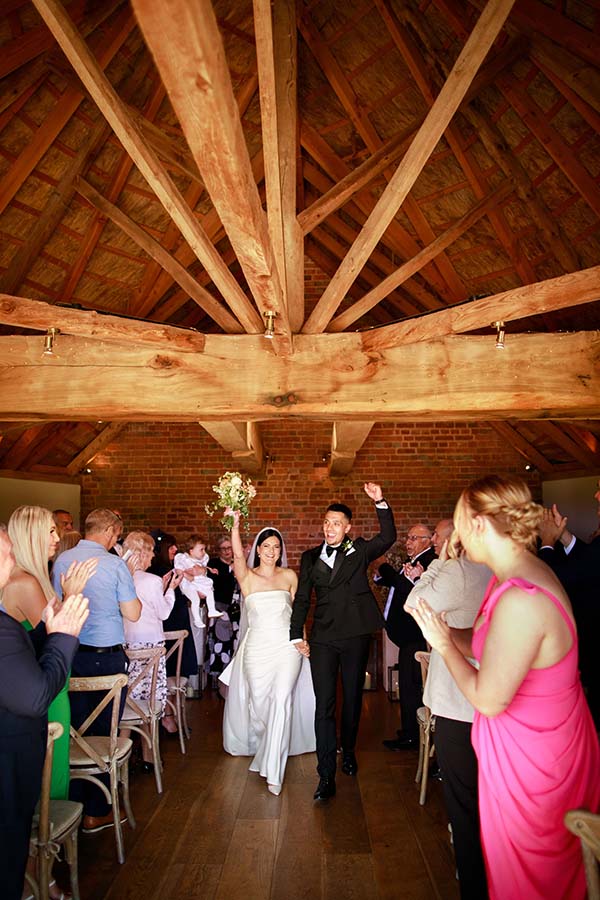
(348, 544)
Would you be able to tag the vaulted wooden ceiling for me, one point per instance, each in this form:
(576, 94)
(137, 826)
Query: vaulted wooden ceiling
(171, 172)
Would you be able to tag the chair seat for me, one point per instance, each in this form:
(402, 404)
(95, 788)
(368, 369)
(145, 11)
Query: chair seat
(64, 815)
(78, 757)
(130, 714)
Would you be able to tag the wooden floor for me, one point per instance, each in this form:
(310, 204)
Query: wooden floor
(217, 834)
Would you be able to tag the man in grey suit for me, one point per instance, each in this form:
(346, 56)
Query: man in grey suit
(346, 614)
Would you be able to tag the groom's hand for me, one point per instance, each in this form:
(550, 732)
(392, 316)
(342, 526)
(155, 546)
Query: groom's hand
(373, 491)
(303, 648)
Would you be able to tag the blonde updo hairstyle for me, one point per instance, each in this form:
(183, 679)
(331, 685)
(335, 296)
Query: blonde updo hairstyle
(29, 529)
(506, 502)
(140, 542)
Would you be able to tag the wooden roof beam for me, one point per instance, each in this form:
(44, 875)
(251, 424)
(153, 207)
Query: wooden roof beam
(146, 160)
(483, 35)
(444, 240)
(346, 440)
(24, 313)
(154, 249)
(108, 434)
(530, 300)
(243, 440)
(187, 48)
(276, 50)
(581, 77)
(576, 450)
(530, 453)
(332, 378)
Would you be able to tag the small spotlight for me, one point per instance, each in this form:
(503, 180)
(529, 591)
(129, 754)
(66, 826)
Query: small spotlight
(500, 334)
(269, 317)
(86, 471)
(49, 341)
(529, 467)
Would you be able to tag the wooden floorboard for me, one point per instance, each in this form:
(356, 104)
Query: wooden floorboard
(216, 833)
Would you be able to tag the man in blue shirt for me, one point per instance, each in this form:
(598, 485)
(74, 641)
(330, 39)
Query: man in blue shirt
(112, 598)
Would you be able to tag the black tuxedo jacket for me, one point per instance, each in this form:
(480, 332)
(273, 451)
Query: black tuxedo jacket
(400, 626)
(345, 605)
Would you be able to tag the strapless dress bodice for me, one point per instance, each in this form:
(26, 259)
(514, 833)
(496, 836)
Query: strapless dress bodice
(269, 610)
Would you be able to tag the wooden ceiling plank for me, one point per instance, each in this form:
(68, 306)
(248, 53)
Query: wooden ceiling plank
(146, 160)
(576, 450)
(582, 435)
(580, 76)
(462, 225)
(510, 434)
(26, 47)
(329, 378)
(95, 446)
(563, 292)
(51, 437)
(202, 96)
(180, 274)
(563, 31)
(396, 238)
(243, 440)
(552, 142)
(14, 458)
(346, 440)
(276, 50)
(39, 316)
(483, 35)
(60, 114)
(179, 298)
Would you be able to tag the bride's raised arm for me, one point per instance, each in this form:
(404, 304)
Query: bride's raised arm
(240, 566)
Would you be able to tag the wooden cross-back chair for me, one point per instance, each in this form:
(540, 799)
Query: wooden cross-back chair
(55, 824)
(426, 726)
(93, 755)
(176, 697)
(586, 825)
(138, 713)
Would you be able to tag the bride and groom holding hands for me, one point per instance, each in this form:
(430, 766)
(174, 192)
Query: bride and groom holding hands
(282, 688)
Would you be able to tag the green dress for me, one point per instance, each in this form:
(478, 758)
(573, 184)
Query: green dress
(59, 711)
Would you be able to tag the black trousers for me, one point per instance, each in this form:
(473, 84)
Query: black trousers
(86, 665)
(410, 685)
(21, 763)
(348, 656)
(458, 765)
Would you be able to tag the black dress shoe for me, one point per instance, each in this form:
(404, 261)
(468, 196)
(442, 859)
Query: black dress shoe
(325, 788)
(349, 764)
(148, 768)
(402, 744)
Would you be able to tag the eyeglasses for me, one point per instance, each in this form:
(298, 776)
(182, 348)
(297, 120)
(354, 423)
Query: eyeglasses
(417, 537)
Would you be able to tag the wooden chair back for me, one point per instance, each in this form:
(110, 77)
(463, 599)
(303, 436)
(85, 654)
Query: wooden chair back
(586, 825)
(150, 657)
(113, 686)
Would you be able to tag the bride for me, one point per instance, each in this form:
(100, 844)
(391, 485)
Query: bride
(270, 706)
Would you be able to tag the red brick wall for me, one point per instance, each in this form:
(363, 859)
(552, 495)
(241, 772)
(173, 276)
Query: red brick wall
(161, 476)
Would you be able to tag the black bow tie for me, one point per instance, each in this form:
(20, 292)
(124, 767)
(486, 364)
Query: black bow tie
(329, 550)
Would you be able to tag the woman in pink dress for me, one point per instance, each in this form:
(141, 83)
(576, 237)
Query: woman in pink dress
(533, 733)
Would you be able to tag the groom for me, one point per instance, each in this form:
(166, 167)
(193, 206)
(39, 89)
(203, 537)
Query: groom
(346, 614)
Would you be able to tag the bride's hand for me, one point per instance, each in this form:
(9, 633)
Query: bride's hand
(235, 515)
(303, 648)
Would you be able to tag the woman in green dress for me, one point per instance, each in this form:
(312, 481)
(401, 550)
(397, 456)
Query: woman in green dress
(34, 537)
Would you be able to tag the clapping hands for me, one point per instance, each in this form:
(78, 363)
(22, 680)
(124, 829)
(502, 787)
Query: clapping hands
(76, 577)
(69, 618)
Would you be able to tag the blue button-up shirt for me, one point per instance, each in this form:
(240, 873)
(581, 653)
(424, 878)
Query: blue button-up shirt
(110, 585)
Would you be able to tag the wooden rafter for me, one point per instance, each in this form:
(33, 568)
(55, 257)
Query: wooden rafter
(243, 440)
(530, 300)
(95, 446)
(203, 99)
(582, 77)
(510, 434)
(329, 378)
(576, 450)
(23, 313)
(146, 160)
(189, 284)
(446, 103)
(346, 441)
(276, 50)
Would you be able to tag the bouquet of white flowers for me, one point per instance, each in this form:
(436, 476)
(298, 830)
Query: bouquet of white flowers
(234, 491)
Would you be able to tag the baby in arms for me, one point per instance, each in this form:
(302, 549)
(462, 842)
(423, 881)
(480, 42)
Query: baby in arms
(199, 587)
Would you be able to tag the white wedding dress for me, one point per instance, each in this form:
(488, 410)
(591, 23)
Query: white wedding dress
(270, 706)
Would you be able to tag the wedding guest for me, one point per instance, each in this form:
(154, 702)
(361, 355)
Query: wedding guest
(112, 599)
(69, 540)
(533, 733)
(403, 631)
(27, 688)
(63, 520)
(157, 596)
(222, 633)
(457, 586)
(165, 548)
(269, 710)
(346, 614)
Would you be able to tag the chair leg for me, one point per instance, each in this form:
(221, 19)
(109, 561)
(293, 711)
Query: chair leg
(186, 727)
(44, 870)
(124, 779)
(156, 754)
(425, 773)
(421, 754)
(114, 791)
(179, 717)
(72, 859)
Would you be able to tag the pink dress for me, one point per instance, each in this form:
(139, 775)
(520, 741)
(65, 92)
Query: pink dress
(537, 759)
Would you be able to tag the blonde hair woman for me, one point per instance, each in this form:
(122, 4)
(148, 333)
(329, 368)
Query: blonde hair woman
(533, 733)
(34, 537)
